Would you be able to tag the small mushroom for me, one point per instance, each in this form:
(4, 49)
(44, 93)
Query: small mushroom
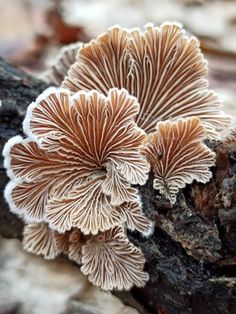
(184, 155)
(135, 219)
(66, 57)
(40, 240)
(77, 164)
(111, 262)
(162, 66)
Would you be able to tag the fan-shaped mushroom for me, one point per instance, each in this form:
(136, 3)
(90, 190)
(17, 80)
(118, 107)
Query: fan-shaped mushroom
(135, 219)
(40, 240)
(178, 155)
(163, 67)
(77, 165)
(111, 262)
(65, 59)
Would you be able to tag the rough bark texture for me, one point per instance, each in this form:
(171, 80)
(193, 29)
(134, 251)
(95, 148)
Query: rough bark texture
(191, 257)
(17, 91)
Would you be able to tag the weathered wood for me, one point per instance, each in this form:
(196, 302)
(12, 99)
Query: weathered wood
(17, 91)
(191, 257)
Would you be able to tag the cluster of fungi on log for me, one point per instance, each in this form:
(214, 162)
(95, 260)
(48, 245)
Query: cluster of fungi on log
(127, 103)
(74, 171)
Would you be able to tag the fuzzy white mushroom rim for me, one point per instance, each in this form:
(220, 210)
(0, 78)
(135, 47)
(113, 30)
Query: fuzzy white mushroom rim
(78, 162)
(162, 66)
(178, 155)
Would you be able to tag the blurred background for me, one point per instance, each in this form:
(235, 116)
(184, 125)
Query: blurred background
(32, 31)
(31, 34)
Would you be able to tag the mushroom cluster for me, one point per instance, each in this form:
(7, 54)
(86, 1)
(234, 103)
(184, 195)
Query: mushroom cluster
(127, 102)
(161, 66)
(76, 170)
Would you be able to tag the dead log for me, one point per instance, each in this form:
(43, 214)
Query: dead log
(191, 257)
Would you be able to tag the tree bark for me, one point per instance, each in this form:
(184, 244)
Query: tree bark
(191, 256)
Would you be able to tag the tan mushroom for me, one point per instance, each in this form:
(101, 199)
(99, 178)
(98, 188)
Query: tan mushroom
(40, 240)
(111, 262)
(162, 66)
(178, 155)
(65, 59)
(78, 162)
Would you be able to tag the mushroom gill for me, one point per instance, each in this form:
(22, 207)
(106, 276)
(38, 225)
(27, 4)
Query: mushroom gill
(111, 262)
(40, 240)
(77, 164)
(162, 66)
(66, 57)
(75, 244)
(108, 258)
(178, 155)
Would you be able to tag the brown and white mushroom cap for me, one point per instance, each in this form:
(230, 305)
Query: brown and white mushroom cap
(66, 57)
(178, 155)
(78, 162)
(111, 262)
(162, 66)
(40, 240)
